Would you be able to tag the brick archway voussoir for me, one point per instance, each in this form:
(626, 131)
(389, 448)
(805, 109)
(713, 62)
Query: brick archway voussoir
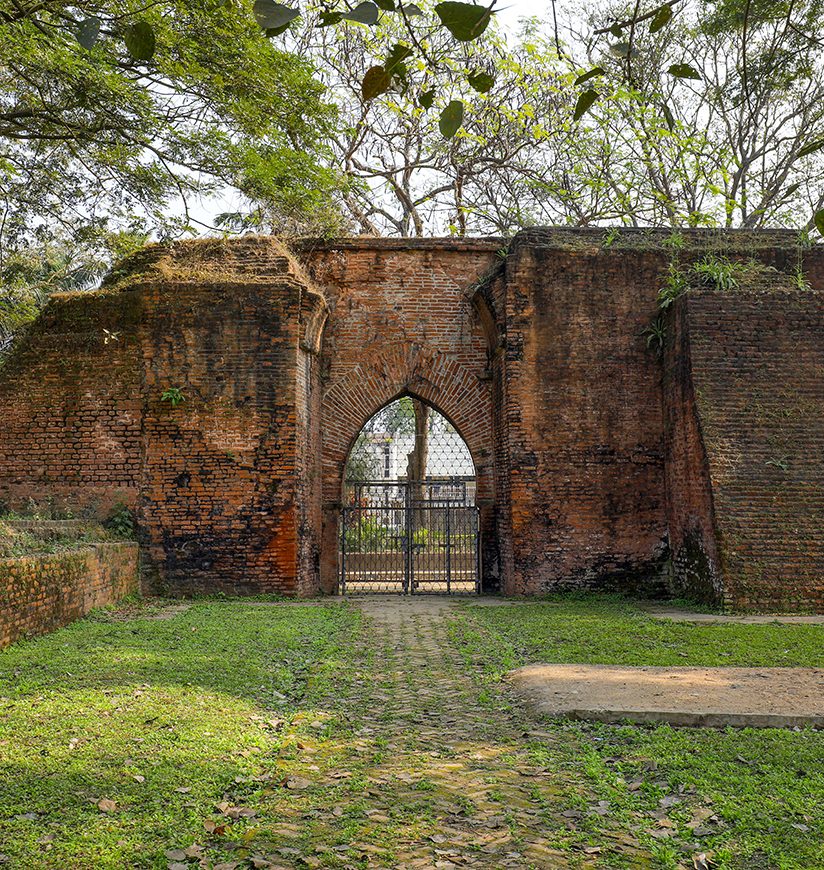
(451, 388)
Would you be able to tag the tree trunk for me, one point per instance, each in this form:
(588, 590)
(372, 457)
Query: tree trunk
(416, 460)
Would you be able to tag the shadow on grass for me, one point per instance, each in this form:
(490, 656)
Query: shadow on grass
(164, 717)
(260, 654)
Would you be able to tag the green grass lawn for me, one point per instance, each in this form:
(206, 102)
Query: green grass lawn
(755, 797)
(122, 740)
(611, 630)
(162, 717)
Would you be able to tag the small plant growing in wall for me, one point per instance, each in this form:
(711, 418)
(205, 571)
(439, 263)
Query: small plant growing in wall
(173, 395)
(120, 522)
(674, 286)
(800, 282)
(674, 242)
(717, 272)
(656, 334)
(611, 236)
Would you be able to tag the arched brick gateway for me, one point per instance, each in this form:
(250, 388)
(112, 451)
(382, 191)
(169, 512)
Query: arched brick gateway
(601, 463)
(449, 387)
(406, 317)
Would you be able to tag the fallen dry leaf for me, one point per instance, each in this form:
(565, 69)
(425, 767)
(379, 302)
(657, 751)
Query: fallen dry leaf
(106, 806)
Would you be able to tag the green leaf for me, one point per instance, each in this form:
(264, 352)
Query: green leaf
(584, 102)
(812, 147)
(465, 21)
(88, 31)
(397, 55)
(426, 99)
(481, 81)
(328, 18)
(620, 49)
(376, 81)
(140, 40)
(364, 13)
(271, 16)
(661, 18)
(818, 220)
(451, 119)
(684, 71)
(668, 116)
(616, 30)
(585, 77)
(386, 5)
(411, 9)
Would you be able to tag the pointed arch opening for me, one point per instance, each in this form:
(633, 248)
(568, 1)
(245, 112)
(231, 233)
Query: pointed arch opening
(409, 521)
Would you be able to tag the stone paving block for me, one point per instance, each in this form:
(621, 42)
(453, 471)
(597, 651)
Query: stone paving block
(690, 696)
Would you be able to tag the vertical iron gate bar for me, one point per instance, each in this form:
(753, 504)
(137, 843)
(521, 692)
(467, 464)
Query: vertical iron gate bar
(477, 537)
(448, 553)
(407, 572)
(343, 552)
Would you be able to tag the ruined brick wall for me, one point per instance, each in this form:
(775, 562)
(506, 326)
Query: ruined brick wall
(404, 319)
(226, 482)
(691, 524)
(756, 363)
(583, 415)
(41, 593)
(592, 454)
(70, 407)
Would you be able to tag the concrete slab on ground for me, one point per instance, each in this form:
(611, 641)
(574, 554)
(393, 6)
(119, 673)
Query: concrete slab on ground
(713, 697)
(680, 615)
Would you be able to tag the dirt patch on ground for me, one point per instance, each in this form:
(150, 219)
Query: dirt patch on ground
(716, 697)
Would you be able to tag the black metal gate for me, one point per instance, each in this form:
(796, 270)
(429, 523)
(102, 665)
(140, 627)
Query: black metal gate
(410, 537)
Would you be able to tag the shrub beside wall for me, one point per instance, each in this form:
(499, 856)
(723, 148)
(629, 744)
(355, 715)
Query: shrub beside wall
(40, 593)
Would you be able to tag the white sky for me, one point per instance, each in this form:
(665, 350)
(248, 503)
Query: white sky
(511, 10)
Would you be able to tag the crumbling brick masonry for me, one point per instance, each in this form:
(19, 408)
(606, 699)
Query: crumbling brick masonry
(216, 387)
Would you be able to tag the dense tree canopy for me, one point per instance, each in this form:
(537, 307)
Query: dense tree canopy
(653, 148)
(112, 110)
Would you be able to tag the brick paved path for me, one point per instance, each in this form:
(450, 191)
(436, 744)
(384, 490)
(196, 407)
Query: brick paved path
(412, 762)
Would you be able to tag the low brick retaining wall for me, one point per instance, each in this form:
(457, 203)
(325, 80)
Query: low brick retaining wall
(40, 593)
